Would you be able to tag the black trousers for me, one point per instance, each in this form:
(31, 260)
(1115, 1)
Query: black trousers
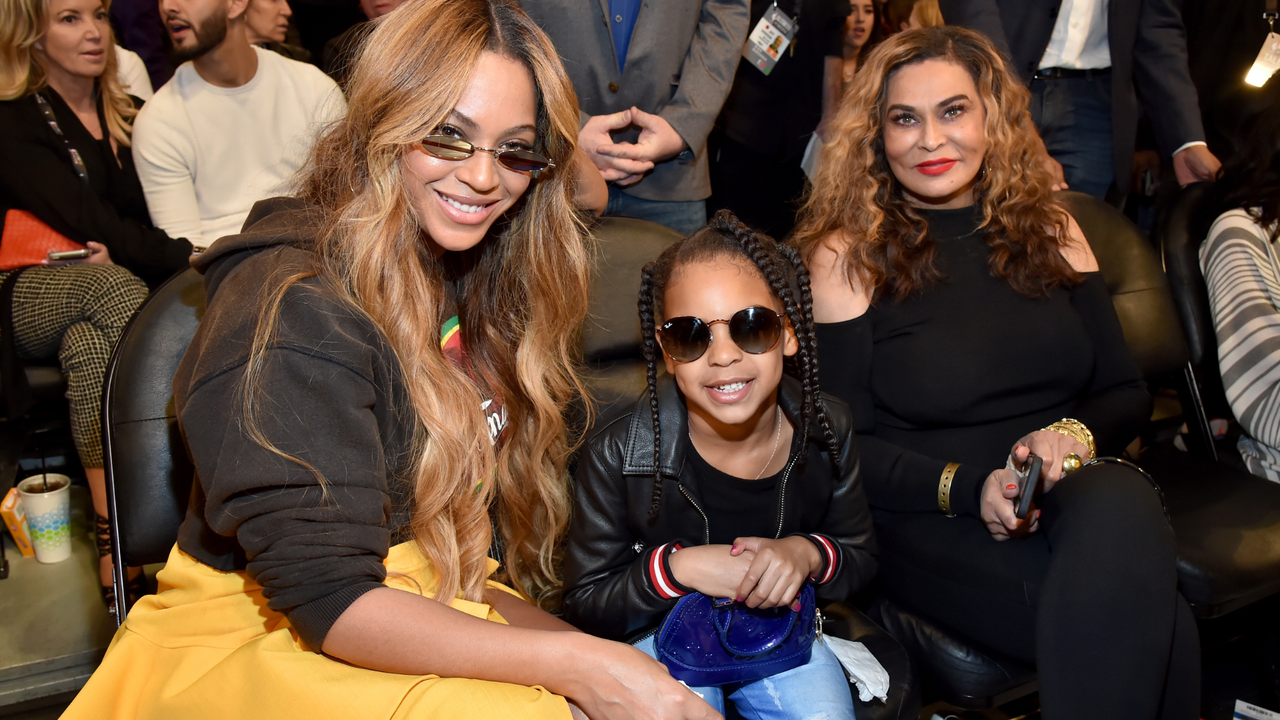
(1091, 599)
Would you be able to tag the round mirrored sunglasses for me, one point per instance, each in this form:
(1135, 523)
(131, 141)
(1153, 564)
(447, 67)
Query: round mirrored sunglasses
(755, 329)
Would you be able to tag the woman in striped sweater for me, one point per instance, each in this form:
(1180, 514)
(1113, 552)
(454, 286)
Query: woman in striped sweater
(1242, 270)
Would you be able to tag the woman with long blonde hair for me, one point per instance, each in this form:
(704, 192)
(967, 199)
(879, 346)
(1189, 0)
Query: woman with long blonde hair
(972, 329)
(374, 406)
(65, 164)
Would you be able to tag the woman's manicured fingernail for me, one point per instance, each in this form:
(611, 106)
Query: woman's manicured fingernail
(734, 548)
(795, 605)
(1011, 486)
(737, 599)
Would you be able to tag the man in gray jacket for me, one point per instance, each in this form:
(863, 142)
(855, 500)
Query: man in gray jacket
(650, 78)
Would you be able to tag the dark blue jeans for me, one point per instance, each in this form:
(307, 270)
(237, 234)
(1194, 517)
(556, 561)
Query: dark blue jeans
(1074, 118)
(682, 216)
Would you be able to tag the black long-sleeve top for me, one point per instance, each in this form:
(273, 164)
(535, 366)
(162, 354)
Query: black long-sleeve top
(961, 370)
(37, 175)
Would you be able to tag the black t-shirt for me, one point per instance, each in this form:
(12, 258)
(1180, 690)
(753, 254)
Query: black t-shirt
(737, 507)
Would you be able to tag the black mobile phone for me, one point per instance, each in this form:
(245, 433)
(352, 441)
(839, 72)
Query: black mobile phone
(1030, 485)
(55, 255)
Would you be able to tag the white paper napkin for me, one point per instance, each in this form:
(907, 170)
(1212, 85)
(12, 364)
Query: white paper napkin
(862, 667)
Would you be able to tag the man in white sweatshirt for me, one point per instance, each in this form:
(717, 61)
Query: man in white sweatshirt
(232, 126)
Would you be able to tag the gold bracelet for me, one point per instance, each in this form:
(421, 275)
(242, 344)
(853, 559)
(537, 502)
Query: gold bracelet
(1077, 431)
(944, 488)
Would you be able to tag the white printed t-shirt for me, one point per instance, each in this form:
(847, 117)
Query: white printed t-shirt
(206, 154)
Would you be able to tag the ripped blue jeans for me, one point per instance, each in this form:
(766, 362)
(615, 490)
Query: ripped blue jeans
(816, 690)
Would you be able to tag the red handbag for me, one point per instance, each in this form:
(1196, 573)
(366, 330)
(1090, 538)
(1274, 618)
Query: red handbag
(27, 240)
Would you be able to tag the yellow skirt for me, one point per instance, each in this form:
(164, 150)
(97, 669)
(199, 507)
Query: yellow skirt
(207, 646)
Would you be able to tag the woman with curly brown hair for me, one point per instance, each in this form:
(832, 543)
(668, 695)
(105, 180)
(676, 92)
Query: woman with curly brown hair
(374, 407)
(971, 327)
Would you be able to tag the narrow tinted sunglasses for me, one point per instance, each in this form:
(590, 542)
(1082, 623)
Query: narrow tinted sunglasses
(755, 329)
(446, 147)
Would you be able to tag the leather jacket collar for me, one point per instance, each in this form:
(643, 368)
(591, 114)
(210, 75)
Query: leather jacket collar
(674, 417)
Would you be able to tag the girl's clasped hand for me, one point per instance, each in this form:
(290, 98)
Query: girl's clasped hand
(759, 572)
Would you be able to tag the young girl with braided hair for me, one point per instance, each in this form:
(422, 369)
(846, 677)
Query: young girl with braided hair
(728, 477)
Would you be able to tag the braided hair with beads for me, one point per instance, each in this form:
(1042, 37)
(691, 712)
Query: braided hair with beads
(725, 237)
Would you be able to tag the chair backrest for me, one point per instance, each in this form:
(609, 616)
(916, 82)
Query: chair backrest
(148, 472)
(1180, 247)
(611, 343)
(1138, 286)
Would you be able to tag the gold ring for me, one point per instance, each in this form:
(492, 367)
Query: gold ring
(1071, 463)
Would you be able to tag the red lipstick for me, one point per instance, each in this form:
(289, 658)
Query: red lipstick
(936, 167)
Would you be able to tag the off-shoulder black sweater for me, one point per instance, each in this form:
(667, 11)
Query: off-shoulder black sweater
(961, 370)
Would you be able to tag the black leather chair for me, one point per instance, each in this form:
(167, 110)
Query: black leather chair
(148, 472)
(39, 423)
(1180, 251)
(1227, 526)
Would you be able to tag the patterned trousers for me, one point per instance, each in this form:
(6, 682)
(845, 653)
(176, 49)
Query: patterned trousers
(76, 313)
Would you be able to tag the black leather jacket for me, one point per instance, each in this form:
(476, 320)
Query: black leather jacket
(617, 573)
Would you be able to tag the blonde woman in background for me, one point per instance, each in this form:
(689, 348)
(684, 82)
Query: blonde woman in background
(374, 407)
(66, 159)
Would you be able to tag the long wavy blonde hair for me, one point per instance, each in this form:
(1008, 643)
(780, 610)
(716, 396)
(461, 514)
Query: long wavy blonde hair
(885, 242)
(521, 293)
(22, 25)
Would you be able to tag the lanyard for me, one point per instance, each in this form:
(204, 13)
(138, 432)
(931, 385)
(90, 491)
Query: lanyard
(795, 10)
(76, 160)
(1271, 15)
(795, 21)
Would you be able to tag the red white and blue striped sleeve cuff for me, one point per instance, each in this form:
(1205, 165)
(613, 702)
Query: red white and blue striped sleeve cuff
(658, 566)
(830, 557)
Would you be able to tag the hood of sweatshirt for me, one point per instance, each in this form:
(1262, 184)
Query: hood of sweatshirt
(272, 222)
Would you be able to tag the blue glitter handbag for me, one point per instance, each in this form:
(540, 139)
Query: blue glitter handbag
(705, 642)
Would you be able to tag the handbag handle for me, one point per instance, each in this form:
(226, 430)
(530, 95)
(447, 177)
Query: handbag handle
(723, 618)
